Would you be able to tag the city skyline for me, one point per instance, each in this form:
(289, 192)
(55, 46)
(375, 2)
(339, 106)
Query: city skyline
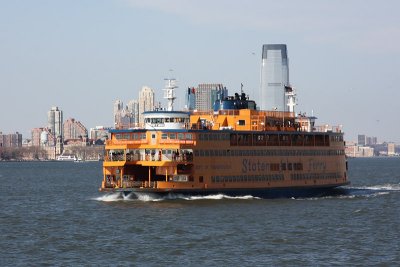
(81, 57)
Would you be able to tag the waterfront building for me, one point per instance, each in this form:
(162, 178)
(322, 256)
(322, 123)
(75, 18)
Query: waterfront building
(42, 137)
(99, 134)
(391, 149)
(203, 97)
(362, 140)
(274, 77)
(74, 129)
(146, 101)
(11, 140)
(355, 151)
(55, 122)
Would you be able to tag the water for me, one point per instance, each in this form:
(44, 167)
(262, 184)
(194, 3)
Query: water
(51, 213)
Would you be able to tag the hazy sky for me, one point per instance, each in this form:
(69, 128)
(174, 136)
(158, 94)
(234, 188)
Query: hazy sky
(344, 56)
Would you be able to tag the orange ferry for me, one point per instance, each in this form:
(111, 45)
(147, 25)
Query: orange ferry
(235, 150)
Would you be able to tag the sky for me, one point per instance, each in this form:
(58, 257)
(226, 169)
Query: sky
(344, 56)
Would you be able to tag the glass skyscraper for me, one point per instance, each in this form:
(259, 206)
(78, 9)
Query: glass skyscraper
(55, 122)
(274, 77)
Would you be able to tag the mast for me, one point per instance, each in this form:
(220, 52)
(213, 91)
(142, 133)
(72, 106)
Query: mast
(169, 93)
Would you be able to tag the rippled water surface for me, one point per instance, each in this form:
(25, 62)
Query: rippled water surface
(51, 213)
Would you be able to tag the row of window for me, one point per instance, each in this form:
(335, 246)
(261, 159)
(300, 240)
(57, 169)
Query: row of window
(264, 139)
(273, 177)
(246, 139)
(167, 120)
(314, 176)
(247, 178)
(259, 139)
(179, 136)
(214, 136)
(130, 136)
(266, 153)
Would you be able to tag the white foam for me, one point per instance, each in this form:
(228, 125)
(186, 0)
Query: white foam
(110, 197)
(387, 187)
(218, 197)
(155, 198)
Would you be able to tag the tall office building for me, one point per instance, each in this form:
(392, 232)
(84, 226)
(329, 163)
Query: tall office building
(146, 101)
(361, 139)
(133, 109)
(55, 122)
(118, 106)
(203, 97)
(274, 77)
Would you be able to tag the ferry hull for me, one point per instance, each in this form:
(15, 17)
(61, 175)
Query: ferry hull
(267, 193)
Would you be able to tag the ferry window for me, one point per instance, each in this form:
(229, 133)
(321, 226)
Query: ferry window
(201, 179)
(172, 136)
(181, 136)
(241, 122)
(319, 140)
(289, 166)
(272, 140)
(308, 140)
(259, 140)
(164, 136)
(171, 120)
(233, 140)
(118, 136)
(142, 136)
(189, 136)
(166, 119)
(284, 140)
(326, 140)
(244, 139)
(135, 136)
(283, 166)
(127, 136)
